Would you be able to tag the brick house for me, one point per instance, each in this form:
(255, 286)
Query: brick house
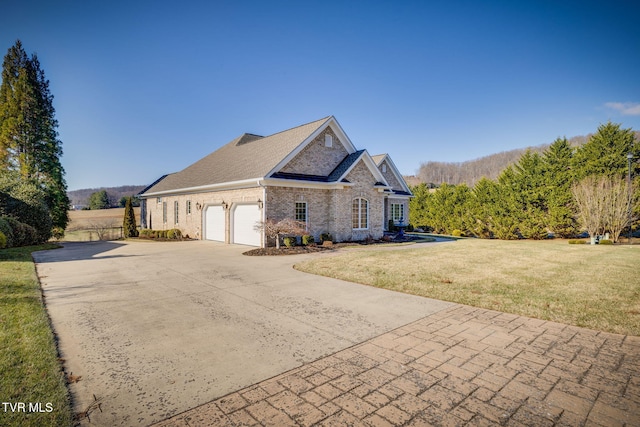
(312, 173)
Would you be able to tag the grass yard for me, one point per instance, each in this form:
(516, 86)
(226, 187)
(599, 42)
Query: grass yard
(596, 287)
(30, 372)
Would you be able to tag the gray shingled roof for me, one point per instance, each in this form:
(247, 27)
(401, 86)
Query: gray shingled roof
(246, 157)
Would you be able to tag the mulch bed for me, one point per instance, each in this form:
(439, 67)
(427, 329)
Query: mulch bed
(296, 250)
(288, 251)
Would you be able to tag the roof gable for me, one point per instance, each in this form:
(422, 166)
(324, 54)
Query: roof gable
(392, 173)
(332, 123)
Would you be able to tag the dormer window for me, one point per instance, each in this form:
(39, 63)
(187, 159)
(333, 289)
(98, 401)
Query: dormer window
(384, 167)
(328, 140)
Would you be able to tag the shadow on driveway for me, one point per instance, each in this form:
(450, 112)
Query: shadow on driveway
(76, 251)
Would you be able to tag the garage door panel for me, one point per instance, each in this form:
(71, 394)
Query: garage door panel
(215, 223)
(245, 218)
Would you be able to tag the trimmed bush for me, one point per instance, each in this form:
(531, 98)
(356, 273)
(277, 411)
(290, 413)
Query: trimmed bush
(289, 242)
(3, 240)
(6, 229)
(457, 233)
(577, 242)
(174, 234)
(606, 242)
(307, 239)
(23, 234)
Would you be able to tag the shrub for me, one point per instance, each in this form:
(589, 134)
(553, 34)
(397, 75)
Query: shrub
(174, 234)
(57, 233)
(606, 242)
(457, 233)
(3, 240)
(326, 237)
(307, 239)
(391, 226)
(6, 229)
(289, 241)
(23, 234)
(577, 242)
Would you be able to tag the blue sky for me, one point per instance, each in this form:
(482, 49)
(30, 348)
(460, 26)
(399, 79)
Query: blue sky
(144, 88)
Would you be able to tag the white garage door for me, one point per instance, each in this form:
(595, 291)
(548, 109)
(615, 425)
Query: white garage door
(244, 221)
(214, 223)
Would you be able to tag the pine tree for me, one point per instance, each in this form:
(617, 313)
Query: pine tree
(129, 223)
(558, 179)
(99, 200)
(606, 152)
(28, 130)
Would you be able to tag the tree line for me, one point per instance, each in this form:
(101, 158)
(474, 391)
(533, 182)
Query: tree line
(33, 198)
(541, 192)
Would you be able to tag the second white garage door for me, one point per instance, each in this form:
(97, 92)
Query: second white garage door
(245, 218)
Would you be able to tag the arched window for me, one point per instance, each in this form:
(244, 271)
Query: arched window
(360, 216)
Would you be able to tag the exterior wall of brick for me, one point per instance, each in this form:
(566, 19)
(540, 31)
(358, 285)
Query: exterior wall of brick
(331, 211)
(390, 176)
(281, 204)
(191, 224)
(316, 159)
(363, 182)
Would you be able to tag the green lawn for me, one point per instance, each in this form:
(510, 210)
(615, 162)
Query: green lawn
(30, 372)
(597, 287)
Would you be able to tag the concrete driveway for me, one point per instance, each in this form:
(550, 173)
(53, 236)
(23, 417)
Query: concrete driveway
(153, 329)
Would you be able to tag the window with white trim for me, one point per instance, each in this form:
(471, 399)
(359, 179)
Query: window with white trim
(397, 212)
(188, 207)
(164, 212)
(175, 212)
(301, 212)
(360, 214)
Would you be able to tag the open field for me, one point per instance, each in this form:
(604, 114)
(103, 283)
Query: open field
(30, 372)
(597, 287)
(92, 224)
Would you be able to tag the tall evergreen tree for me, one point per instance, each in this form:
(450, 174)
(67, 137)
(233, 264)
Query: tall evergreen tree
(558, 179)
(129, 222)
(28, 130)
(606, 152)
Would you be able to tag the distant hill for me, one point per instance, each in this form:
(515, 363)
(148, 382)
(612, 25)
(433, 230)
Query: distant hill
(472, 171)
(81, 197)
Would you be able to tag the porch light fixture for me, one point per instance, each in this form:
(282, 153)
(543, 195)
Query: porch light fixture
(224, 205)
(198, 206)
(260, 204)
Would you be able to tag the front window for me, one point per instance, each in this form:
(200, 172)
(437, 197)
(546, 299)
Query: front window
(188, 207)
(301, 212)
(360, 216)
(164, 212)
(175, 212)
(397, 212)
